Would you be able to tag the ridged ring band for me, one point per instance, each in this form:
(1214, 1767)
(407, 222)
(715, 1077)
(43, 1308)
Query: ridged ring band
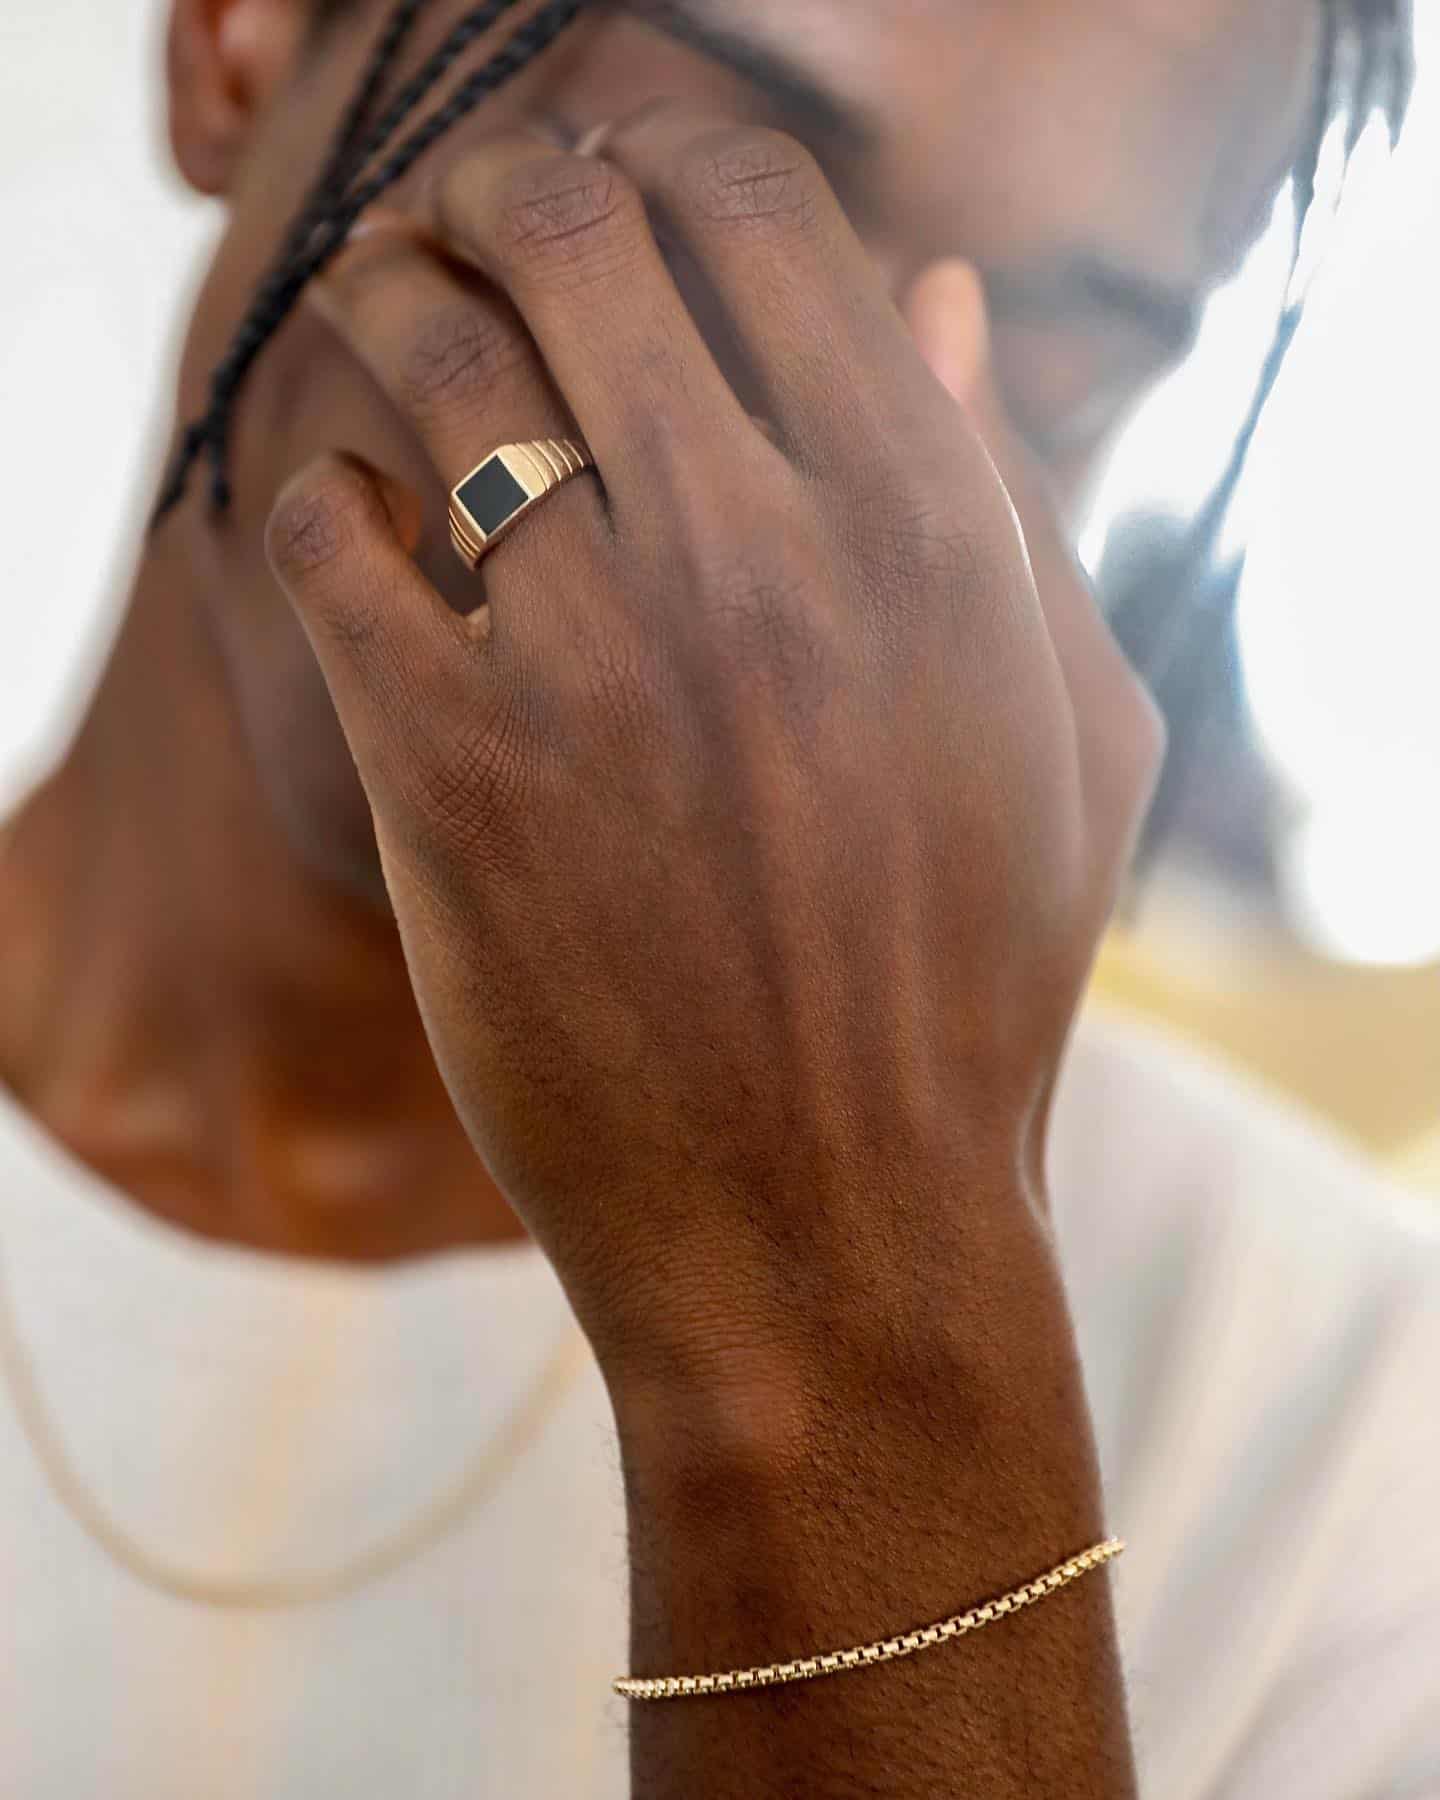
(498, 492)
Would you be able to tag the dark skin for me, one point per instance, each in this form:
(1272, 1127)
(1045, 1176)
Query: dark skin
(852, 790)
(222, 1103)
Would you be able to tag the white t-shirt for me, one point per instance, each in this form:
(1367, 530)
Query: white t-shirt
(1260, 1321)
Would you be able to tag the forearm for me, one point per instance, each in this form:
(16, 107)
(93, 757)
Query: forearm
(814, 1503)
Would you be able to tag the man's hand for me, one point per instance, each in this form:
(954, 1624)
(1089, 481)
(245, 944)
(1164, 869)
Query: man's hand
(750, 848)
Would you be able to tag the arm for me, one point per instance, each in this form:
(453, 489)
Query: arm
(785, 1514)
(749, 849)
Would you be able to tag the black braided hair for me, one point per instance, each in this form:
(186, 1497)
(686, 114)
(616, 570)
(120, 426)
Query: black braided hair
(342, 193)
(1176, 616)
(341, 163)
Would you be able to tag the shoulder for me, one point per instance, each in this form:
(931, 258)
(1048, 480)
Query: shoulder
(1259, 1314)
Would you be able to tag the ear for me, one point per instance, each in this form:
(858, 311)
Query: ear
(225, 59)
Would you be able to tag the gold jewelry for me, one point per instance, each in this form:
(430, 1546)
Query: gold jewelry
(436, 1521)
(444, 1515)
(678, 1687)
(498, 492)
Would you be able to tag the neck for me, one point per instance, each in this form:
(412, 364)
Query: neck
(222, 1035)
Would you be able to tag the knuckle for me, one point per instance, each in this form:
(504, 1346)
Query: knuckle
(624, 691)
(916, 550)
(576, 216)
(746, 176)
(319, 520)
(935, 551)
(455, 360)
(763, 625)
(472, 783)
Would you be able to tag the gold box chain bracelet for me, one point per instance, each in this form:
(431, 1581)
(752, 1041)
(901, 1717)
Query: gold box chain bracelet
(836, 1662)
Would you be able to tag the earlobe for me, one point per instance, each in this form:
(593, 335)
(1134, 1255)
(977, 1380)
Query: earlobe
(225, 59)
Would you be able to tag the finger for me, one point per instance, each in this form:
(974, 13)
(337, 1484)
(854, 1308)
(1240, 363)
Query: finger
(1119, 729)
(823, 348)
(568, 239)
(456, 361)
(402, 669)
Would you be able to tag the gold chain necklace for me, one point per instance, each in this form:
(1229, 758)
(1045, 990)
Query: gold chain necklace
(444, 1515)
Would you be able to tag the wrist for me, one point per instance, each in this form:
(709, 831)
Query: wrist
(867, 1470)
(920, 1382)
(933, 1250)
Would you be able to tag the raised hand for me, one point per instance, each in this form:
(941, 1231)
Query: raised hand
(750, 846)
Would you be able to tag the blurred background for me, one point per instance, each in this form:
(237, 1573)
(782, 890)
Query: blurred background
(1293, 919)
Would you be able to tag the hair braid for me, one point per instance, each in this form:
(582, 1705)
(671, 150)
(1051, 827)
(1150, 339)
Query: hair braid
(339, 197)
(387, 51)
(320, 198)
(430, 73)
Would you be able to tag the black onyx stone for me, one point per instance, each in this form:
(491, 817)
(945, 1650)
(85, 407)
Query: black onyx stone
(491, 496)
